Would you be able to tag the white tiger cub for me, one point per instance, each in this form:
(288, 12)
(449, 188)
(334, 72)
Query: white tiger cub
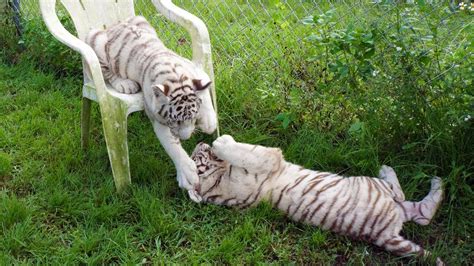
(175, 89)
(371, 209)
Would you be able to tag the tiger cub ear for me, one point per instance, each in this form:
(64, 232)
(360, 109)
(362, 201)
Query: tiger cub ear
(161, 90)
(200, 85)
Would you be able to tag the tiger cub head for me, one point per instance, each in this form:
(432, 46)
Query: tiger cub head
(176, 104)
(205, 159)
(209, 167)
(216, 184)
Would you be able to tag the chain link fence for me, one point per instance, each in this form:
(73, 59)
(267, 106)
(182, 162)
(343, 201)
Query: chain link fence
(286, 51)
(258, 34)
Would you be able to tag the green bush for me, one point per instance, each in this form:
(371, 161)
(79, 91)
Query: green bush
(37, 46)
(405, 81)
(46, 52)
(8, 37)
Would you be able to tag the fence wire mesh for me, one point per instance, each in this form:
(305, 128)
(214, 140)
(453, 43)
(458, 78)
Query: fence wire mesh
(285, 51)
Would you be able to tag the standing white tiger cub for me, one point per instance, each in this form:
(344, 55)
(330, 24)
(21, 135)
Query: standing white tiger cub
(174, 88)
(371, 209)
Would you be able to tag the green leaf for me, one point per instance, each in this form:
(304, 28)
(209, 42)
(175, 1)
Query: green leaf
(427, 38)
(314, 37)
(308, 20)
(285, 118)
(356, 127)
(286, 122)
(343, 71)
(410, 145)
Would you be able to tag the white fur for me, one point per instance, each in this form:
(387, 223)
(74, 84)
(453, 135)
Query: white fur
(373, 209)
(132, 57)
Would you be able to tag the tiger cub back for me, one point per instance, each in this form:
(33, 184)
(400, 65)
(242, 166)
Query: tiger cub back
(371, 209)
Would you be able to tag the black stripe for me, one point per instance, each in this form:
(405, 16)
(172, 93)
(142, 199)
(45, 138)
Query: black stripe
(117, 56)
(297, 208)
(377, 235)
(161, 109)
(298, 181)
(258, 192)
(315, 210)
(352, 205)
(230, 171)
(163, 72)
(149, 60)
(370, 206)
(281, 195)
(351, 223)
(245, 200)
(379, 215)
(330, 208)
(213, 197)
(227, 200)
(93, 38)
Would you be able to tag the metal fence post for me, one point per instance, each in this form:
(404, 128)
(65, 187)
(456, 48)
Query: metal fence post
(16, 16)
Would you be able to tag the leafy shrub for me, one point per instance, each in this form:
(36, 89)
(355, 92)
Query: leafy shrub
(37, 46)
(48, 53)
(402, 84)
(8, 36)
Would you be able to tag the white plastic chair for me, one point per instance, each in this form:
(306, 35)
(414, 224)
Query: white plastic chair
(114, 106)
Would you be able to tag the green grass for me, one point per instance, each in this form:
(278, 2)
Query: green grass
(58, 204)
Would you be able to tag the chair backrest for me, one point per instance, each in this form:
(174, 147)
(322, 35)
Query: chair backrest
(93, 14)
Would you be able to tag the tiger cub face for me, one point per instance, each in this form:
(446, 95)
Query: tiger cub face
(209, 167)
(219, 178)
(176, 104)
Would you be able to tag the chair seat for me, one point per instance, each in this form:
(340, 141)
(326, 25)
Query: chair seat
(133, 101)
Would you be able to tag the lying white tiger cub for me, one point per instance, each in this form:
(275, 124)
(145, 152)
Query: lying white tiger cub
(372, 209)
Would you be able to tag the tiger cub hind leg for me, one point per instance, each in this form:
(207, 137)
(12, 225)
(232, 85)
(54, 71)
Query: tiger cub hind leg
(387, 174)
(403, 247)
(423, 211)
(121, 85)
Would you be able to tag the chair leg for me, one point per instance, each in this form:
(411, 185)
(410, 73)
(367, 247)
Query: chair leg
(115, 131)
(85, 122)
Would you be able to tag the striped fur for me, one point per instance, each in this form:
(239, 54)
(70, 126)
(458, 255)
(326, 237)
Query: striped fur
(371, 209)
(133, 57)
(174, 89)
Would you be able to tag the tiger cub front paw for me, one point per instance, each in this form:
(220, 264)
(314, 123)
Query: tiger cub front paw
(188, 179)
(126, 86)
(223, 145)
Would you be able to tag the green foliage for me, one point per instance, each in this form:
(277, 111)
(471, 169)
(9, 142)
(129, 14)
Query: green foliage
(47, 52)
(8, 36)
(5, 164)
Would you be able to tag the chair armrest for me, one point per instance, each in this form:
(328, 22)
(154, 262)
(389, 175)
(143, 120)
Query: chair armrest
(201, 43)
(48, 11)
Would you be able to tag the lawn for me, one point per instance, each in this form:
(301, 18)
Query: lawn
(356, 86)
